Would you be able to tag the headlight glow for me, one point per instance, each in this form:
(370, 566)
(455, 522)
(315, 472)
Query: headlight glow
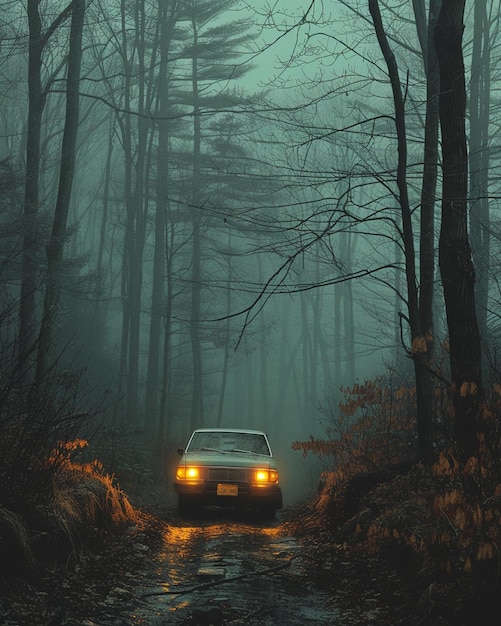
(187, 473)
(266, 476)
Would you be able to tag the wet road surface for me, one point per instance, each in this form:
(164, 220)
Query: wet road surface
(225, 567)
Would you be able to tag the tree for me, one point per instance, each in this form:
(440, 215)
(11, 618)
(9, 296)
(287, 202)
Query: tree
(56, 244)
(455, 258)
(419, 341)
(485, 26)
(424, 385)
(211, 54)
(38, 40)
(156, 404)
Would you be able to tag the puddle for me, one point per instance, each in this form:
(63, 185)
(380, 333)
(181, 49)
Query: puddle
(228, 571)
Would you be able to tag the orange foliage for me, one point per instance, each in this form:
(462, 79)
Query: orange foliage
(451, 514)
(419, 345)
(468, 389)
(61, 454)
(373, 427)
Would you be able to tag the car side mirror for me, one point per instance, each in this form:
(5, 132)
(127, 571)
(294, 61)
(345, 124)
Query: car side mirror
(180, 451)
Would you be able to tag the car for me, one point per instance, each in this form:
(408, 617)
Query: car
(228, 467)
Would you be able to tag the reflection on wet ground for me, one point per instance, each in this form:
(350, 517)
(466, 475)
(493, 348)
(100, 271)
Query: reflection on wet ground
(229, 568)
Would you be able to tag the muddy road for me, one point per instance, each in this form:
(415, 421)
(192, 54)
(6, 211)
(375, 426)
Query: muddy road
(225, 567)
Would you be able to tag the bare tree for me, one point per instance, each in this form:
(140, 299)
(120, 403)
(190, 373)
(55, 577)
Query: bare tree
(455, 258)
(485, 27)
(419, 342)
(425, 27)
(66, 175)
(38, 40)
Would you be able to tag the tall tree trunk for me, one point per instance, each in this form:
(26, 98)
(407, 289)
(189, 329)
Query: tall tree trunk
(157, 290)
(347, 247)
(99, 314)
(419, 348)
(27, 317)
(166, 395)
(226, 339)
(264, 382)
(196, 273)
(161, 202)
(286, 365)
(456, 266)
(66, 176)
(316, 334)
(135, 171)
(427, 231)
(307, 354)
(31, 237)
(337, 374)
(325, 357)
(138, 216)
(196, 344)
(479, 110)
(120, 407)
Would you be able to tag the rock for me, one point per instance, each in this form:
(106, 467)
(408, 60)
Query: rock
(119, 592)
(140, 547)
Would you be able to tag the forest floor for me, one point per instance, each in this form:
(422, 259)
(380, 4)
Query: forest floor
(98, 587)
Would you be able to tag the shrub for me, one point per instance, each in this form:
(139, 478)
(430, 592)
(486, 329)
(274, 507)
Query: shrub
(372, 427)
(79, 500)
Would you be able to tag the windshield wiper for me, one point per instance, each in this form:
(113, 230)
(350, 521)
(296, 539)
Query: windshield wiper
(243, 451)
(205, 449)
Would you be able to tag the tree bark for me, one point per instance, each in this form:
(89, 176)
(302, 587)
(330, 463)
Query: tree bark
(35, 108)
(31, 239)
(419, 351)
(427, 230)
(226, 332)
(456, 266)
(55, 246)
(196, 275)
(153, 378)
(479, 114)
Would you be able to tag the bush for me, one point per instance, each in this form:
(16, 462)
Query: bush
(373, 427)
(440, 524)
(79, 500)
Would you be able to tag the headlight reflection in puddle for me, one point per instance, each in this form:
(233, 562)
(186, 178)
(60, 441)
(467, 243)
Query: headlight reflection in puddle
(176, 556)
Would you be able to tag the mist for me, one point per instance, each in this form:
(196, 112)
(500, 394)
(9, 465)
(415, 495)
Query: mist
(201, 221)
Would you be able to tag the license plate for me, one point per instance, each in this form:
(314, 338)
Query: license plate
(227, 490)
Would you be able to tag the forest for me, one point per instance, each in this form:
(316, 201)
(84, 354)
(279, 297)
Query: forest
(274, 215)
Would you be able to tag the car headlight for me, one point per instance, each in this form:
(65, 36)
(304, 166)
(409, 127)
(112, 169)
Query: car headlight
(187, 473)
(262, 476)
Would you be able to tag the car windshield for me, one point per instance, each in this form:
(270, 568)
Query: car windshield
(221, 441)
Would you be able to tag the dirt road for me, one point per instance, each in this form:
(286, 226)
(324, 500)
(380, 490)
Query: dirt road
(229, 568)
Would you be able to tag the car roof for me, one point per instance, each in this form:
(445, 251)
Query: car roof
(230, 430)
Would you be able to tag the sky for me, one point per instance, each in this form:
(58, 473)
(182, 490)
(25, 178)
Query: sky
(279, 39)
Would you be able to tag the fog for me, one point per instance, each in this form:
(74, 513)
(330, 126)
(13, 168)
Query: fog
(200, 222)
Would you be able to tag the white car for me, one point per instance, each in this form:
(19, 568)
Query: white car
(228, 467)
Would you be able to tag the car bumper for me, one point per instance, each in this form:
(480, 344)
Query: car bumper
(205, 493)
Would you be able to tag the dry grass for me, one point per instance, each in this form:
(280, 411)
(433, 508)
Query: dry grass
(79, 501)
(16, 556)
(85, 500)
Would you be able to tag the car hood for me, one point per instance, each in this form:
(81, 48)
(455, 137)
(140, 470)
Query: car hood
(226, 459)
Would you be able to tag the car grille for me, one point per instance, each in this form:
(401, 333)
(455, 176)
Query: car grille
(231, 474)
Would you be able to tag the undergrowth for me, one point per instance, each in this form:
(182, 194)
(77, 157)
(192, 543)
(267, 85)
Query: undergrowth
(75, 502)
(439, 524)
